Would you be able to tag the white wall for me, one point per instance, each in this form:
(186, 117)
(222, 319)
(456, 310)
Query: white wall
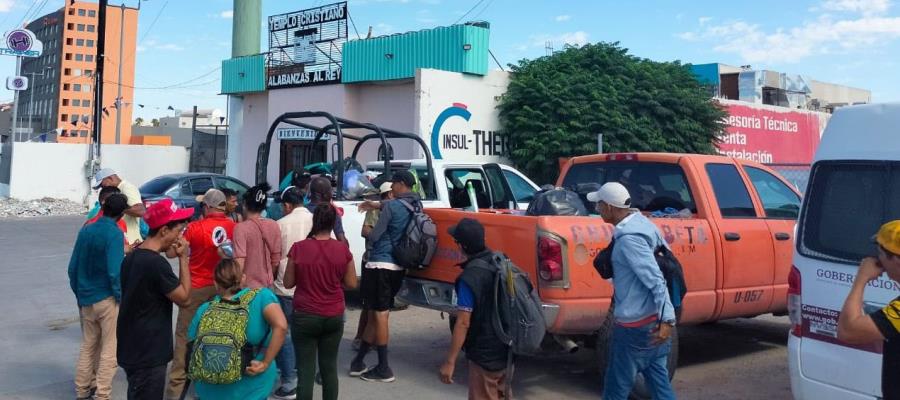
(57, 170)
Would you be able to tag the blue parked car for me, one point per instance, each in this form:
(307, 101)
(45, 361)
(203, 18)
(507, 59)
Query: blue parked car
(184, 188)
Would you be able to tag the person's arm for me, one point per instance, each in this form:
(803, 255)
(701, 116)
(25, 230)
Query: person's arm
(275, 251)
(115, 253)
(73, 265)
(181, 295)
(136, 210)
(339, 233)
(278, 323)
(465, 306)
(290, 274)
(854, 326)
(367, 230)
(135, 205)
(351, 281)
(239, 245)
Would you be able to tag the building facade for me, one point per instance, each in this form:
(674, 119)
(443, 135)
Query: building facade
(61, 94)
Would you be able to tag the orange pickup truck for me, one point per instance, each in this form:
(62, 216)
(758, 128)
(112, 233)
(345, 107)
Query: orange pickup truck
(732, 233)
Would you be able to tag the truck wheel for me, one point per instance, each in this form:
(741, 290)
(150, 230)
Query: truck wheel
(604, 337)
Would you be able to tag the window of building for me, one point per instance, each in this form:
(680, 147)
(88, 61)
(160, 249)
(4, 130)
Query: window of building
(85, 88)
(90, 28)
(81, 12)
(64, 133)
(84, 133)
(85, 103)
(66, 86)
(65, 102)
(74, 117)
(64, 117)
(88, 72)
(90, 43)
(76, 103)
(92, 13)
(69, 56)
(80, 27)
(69, 41)
(79, 42)
(71, 11)
(78, 57)
(76, 72)
(89, 58)
(76, 87)
(70, 26)
(67, 71)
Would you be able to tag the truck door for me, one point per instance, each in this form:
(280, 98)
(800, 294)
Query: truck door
(501, 194)
(781, 205)
(746, 242)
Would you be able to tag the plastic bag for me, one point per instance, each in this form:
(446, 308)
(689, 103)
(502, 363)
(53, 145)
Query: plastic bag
(557, 202)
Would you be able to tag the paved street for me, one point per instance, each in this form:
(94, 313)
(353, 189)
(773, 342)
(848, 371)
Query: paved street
(741, 359)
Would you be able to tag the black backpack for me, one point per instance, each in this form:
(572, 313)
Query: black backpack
(671, 269)
(419, 241)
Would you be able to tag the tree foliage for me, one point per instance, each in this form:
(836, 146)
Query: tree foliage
(556, 105)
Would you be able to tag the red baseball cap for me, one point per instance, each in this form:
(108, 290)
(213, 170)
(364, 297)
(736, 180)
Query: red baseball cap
(165, 211)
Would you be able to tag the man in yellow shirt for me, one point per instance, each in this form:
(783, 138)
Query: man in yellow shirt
(108, 177)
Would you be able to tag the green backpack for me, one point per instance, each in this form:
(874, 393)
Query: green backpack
(220, 351)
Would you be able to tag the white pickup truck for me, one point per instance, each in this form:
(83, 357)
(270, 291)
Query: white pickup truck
(444, 182)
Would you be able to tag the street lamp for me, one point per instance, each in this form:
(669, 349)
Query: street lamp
(31, 95)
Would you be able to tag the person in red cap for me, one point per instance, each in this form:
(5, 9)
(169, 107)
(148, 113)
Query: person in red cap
(149, 287)
(204, 237)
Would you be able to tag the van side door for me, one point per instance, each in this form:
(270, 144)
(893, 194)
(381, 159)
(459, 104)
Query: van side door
(746, 242)
(781, 205)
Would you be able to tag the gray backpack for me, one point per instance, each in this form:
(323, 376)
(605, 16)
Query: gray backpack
(419, 241)
(518, 320)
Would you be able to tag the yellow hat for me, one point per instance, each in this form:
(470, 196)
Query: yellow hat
(889, 236)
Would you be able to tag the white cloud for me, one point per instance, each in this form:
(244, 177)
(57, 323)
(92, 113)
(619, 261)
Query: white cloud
(865, 7)
(823, 34)
(169, 47)
(227, 14)
(562, 18)
(141, 49)
(703, 20)
(6, 5)
(579, 38)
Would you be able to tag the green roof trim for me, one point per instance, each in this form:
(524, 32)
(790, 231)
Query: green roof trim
(456, 48)
(244, 74)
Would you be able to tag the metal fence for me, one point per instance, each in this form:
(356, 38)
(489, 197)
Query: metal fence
(797, 174)
(209, 149)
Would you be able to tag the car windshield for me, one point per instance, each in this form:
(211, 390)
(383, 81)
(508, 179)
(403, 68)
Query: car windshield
(158, 185)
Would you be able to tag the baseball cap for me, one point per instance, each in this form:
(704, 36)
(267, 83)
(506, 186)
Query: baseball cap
(889, 236)
(469, 233)
(612, 193)
(102, 174)
(404, 177)
(214, 198)
(165, 211)
(384, 188)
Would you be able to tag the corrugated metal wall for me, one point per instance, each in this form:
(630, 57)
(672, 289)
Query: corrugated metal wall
(398, 56)
(244, 74)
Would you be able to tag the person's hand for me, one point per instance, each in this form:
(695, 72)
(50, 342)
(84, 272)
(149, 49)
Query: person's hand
(257, 367)
(368, 205)
(181, 247)
(129, 247)
(662, 333)
(869, 270)
(447, 372)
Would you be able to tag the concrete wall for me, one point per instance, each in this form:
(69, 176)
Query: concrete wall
(33, 177)
(829, 93)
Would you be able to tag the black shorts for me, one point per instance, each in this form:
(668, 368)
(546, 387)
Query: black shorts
(378, 288)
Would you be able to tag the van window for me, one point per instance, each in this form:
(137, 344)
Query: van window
(778, 199)
(653, 186)
(847, 203)
(731, 194)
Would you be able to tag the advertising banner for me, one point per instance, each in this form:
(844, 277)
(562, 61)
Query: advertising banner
(305, 47)
(770, 136)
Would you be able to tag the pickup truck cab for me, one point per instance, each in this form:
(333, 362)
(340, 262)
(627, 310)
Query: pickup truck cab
(852, 192)
(732, 235)
(443, 182)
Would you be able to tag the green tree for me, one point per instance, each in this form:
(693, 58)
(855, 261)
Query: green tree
(154, 122)
(138, 121)
(556, 105)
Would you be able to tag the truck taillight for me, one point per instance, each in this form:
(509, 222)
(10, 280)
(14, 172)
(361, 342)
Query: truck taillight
(622, 157)
(794, 302)
(550, 259)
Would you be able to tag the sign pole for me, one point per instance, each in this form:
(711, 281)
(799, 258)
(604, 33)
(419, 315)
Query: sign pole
(599, 143)
(15, 134)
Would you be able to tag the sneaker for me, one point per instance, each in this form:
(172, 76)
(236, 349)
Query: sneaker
(284, 394)
(379, 375)
(357, 369)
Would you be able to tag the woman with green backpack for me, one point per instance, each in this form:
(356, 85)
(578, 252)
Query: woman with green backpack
(240, 367)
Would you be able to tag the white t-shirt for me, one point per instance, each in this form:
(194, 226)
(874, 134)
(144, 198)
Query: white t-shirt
(294, 228)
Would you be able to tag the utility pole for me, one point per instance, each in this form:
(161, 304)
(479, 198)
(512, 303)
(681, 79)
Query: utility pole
(98, 73)
(119, 79)
(15, 116)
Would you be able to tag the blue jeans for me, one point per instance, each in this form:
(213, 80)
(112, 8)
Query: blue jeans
(286, 359)
(631, 353)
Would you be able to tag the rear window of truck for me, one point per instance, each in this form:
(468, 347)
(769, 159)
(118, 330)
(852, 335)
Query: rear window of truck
(653, 186)
(846, 203)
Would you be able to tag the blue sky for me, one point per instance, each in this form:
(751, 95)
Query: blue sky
(852, 42)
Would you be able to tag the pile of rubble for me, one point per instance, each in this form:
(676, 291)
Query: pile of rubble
(39, 208)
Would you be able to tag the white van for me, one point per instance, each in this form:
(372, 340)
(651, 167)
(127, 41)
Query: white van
(854, 187)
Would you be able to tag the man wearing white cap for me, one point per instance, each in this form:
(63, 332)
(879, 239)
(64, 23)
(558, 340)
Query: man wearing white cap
(108, 177)
(644, 316)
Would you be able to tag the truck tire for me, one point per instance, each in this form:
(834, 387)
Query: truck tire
(604, 336)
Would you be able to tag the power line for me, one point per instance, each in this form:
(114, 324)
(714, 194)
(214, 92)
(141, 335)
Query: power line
(495, 60)
(468, 12)
(354, 26)
(483, 9)
(25, 16)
